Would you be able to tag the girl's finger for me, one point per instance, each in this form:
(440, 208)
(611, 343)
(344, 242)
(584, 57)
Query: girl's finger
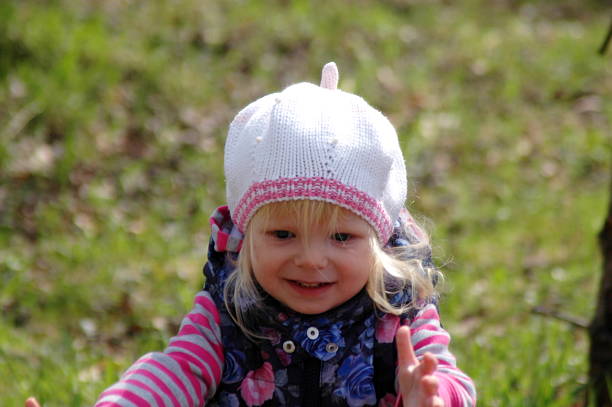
(430, 385)
(437, 402)
(405, 352)
(31, 402)
(434, 402)
(428, 364)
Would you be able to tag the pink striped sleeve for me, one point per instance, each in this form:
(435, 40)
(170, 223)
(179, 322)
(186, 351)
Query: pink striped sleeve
(427, 335)
(187, 373)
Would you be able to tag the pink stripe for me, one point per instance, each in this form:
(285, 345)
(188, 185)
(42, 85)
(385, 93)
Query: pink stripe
(221, 241)
(194, 382)
(158, 382)
(185, 368)
(319, 187)
(209, 306)
(158, 399)
(447, 364)
(126, 394)
(203, 359)
(428, 327)
(218, 215)
(192, 330)
(174, 378)
(450, 390)
(189, 330)
(429, 313)
(428, 341)
(309, 188)
(195, 349)
(224, 211)
(199, 319)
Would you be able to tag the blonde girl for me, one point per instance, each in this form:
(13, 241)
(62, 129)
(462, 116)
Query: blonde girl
(319, 284)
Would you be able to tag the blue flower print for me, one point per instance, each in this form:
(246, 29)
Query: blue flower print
(229, 400)
(368, 333)
(328, 372)
(366, 337)
(357, 382)
(317, 347)
(233, 369)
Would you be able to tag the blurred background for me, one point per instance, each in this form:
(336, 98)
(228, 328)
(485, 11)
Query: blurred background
(113, 116)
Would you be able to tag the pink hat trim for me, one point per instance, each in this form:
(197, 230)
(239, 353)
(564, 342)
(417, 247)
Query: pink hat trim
(335, 192)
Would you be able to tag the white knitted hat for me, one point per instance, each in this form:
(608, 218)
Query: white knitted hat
(315, 142)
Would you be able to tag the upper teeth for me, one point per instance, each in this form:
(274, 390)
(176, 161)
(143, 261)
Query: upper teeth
(309, 285)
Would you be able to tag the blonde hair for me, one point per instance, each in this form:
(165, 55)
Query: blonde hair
(394, 269)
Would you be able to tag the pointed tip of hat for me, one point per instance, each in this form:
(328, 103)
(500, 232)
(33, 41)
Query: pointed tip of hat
(329, 76)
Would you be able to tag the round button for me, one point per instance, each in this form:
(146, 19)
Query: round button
(312, 333)
(331, 347)
(288, 346)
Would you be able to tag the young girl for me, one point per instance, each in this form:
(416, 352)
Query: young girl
(319, 285)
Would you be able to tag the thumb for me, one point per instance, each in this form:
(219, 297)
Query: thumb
(31, 402)
(405, 351)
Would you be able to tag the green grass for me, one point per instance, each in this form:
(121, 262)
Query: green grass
(112, 122)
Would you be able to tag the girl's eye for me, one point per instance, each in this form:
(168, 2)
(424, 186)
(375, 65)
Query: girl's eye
(282, 234)
(341, 237)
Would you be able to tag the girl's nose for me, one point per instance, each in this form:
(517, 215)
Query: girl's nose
(311, 256)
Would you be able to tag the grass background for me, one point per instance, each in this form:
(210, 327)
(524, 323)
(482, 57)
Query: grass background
(112, 122)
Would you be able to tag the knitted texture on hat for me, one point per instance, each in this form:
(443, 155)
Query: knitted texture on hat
(315, 142)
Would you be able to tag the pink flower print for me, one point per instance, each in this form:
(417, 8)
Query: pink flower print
(283, 356)
(387, 401)
(386, 327)
(258, 385)
(273, 335)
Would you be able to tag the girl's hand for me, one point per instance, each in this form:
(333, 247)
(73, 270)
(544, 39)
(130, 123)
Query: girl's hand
(31, 402)
(417, 384)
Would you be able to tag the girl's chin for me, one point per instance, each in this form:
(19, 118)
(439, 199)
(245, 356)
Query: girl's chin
(309, 298)
(309, 310)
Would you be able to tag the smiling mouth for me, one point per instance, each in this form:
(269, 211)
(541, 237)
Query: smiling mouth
(309, 285)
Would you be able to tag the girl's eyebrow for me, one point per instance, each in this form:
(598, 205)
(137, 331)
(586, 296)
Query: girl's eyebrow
(279, 225)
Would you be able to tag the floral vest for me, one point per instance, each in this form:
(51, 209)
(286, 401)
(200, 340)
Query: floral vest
(343, 357)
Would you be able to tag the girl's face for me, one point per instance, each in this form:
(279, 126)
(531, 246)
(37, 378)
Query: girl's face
(308, 268)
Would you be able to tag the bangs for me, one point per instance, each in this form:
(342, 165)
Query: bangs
(308, 214)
